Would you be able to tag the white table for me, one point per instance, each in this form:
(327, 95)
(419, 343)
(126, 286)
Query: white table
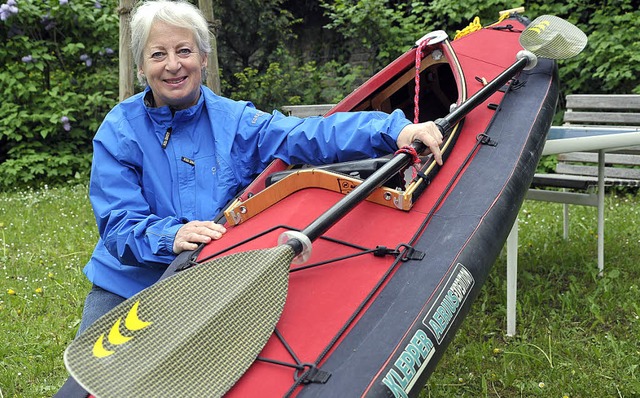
(561, 140)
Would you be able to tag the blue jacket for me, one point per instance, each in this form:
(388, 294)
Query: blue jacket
(154, 170)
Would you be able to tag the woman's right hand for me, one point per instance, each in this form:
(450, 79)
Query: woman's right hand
(191, 234)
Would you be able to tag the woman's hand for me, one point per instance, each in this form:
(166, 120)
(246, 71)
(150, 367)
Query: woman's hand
(191, 234)
(428, 133)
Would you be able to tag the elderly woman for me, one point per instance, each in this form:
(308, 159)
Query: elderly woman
(168, 159)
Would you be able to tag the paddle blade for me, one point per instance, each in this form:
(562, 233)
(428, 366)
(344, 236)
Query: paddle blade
(165, 343)
(551, 37)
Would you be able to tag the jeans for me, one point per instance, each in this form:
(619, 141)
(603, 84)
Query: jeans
(97, 303)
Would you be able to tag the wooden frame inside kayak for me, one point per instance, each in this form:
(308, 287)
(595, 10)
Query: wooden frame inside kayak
(438, 69)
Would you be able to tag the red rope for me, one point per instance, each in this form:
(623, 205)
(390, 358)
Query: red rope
(411, 151)
(416, 100)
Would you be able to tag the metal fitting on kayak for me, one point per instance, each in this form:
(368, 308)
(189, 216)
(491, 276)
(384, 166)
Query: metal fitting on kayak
(300, 243)
(532, 60)
(437, 36)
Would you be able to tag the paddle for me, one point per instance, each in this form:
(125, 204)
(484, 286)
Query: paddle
(196, 333)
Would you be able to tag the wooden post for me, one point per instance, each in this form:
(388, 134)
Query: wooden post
(213, 74)
(126, 64)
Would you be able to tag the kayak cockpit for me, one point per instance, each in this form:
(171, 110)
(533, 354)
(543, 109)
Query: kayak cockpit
(440, 83)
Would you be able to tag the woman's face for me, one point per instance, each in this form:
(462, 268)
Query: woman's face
(173, 66)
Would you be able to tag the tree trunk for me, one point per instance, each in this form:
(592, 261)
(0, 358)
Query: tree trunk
(213, 75)
(126, 64)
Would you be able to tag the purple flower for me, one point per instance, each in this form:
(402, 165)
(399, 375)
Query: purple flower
(86, 59)
(65, 123)
(8, 9)
(27, 58)
(109, 51)
(64, 2)
(97, 4)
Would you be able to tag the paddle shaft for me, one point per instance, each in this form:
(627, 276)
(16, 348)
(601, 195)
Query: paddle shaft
(446, 123)
(401, 160)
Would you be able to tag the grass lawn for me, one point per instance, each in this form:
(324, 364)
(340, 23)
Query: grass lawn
(578, 334)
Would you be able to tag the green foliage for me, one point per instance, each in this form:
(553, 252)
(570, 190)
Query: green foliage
(610, 62)
(251, 31)
(547, 164)
(613, 55)
(293, 83)
(451, 16)
(58, 78)
(58, 69)
(385, 30)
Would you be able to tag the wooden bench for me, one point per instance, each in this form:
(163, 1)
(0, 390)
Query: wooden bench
(596, 114)
(583, 175)
(307, 110)
(597, 147)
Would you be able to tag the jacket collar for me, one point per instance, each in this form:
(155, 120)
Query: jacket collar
(165, 115)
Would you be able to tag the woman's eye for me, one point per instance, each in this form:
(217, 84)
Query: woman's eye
(157, 55)
(184, 52)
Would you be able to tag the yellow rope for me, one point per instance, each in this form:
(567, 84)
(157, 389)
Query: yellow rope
(473, 26)
(476, 25)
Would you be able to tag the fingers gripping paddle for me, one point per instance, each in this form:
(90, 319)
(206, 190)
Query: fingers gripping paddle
(196, 333)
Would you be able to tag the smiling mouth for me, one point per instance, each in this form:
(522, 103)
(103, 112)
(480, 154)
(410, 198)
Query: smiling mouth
(176, 80)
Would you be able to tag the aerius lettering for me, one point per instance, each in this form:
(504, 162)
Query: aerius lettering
(407, 368)
(449, 301)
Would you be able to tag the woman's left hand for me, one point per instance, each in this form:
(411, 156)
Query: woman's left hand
(191, 234)
(428, 133)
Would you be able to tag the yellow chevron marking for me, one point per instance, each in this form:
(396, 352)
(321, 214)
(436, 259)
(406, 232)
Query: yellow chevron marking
(132, 322)
(115, 337)
(540, 26)
(98, 348)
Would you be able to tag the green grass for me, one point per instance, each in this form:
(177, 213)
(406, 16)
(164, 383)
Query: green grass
(46, 237)
(578, 333)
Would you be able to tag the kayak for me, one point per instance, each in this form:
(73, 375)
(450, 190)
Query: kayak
(373, 309)
(349, 280)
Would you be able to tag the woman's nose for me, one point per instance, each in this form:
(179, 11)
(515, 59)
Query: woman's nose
(173, 62)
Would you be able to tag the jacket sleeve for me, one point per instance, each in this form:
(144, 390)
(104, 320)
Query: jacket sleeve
(320, 140)
(130, 230)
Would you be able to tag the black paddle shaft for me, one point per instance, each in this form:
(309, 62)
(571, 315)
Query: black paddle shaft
(401, 160)
(446, 123)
